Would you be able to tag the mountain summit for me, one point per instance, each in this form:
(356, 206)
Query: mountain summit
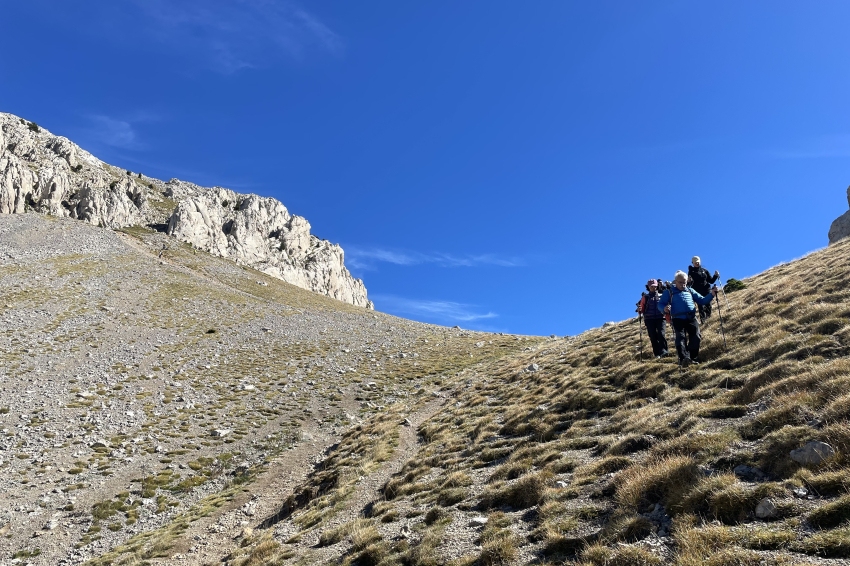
(50, 174)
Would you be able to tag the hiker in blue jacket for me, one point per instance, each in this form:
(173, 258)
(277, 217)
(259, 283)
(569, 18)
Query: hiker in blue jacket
(680, 302)
(653, 317)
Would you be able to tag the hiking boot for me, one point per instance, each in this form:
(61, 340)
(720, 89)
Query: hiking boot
(684, 362)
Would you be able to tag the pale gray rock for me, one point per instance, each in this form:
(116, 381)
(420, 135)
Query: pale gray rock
(812, 453)
(766, 509)
(840, 227)
(259, 232)
(45, 173)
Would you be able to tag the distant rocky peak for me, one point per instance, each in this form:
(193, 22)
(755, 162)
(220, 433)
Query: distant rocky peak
(42, 172)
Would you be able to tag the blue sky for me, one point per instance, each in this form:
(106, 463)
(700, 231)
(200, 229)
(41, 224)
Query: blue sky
(519, 167)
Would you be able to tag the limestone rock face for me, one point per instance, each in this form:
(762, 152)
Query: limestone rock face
(840, 226)
(260, 232)
(41, 172)
(45, 173)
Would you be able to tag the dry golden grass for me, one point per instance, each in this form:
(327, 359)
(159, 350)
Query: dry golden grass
(588, 452)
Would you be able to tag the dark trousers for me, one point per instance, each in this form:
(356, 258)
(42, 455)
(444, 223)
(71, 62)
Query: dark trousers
(655, 330)
(687, 337)
(704, 312)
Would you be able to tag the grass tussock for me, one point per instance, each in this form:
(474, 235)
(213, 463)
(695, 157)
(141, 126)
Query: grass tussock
(667, 480)
(521, 494)
(601, 555)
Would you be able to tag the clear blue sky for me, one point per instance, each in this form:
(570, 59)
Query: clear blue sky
(508, 166)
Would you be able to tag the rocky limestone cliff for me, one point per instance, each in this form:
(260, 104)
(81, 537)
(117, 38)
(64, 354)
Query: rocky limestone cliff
(840, 227)
(45, 173)
(260, 232)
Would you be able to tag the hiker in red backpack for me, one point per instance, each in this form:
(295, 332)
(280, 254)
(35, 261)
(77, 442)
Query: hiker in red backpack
(680, 302)
(653, 316)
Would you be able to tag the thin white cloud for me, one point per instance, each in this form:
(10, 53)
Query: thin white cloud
(368, 258)
(114, 132)
(448, 312)
(837, 145)
(231, 35)
(117, 132)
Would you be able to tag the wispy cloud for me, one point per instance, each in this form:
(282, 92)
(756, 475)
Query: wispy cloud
(368, 258)
(117, 132)
(231, 35)
(446, 312)
(836, 145)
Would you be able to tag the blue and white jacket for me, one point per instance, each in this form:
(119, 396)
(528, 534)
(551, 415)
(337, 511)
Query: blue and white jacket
(682, 305)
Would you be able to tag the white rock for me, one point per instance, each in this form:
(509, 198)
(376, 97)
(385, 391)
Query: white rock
(813, 453)
(766, 509)
(220, 432)
(260, 232)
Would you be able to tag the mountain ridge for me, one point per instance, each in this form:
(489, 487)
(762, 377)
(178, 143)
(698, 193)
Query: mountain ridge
(45, 173)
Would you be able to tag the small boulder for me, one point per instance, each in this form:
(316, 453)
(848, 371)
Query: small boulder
(749, 473)
(533, 367)
(813, 453)
(220, 432)
(766, 509)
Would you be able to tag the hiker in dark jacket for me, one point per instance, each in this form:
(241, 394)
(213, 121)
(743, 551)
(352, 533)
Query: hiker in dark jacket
(653, 316)
(701, 280)
(680, 302)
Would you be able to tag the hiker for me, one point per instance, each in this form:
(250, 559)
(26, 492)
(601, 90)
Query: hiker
(653, 317)
(700, 280)
(680, 302)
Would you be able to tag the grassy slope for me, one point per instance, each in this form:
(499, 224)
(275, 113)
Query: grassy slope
(598, 458)
(177, 342)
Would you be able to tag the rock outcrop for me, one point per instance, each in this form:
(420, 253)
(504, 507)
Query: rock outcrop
(840, 226)
(260, 232)
(42, 172)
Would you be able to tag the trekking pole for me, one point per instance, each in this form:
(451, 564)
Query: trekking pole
(720, 314)
(725, 298)
(640, 325)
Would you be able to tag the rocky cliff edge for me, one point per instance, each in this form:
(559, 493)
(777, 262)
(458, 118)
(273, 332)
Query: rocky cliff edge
(840, 227)
(42, 172)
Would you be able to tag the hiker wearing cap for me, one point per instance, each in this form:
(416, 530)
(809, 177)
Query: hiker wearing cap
(653, 316)
(680, 302)
(701, 280)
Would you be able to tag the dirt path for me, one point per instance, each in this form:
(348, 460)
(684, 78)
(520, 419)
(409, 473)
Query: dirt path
(369, 488)
(210, 539)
